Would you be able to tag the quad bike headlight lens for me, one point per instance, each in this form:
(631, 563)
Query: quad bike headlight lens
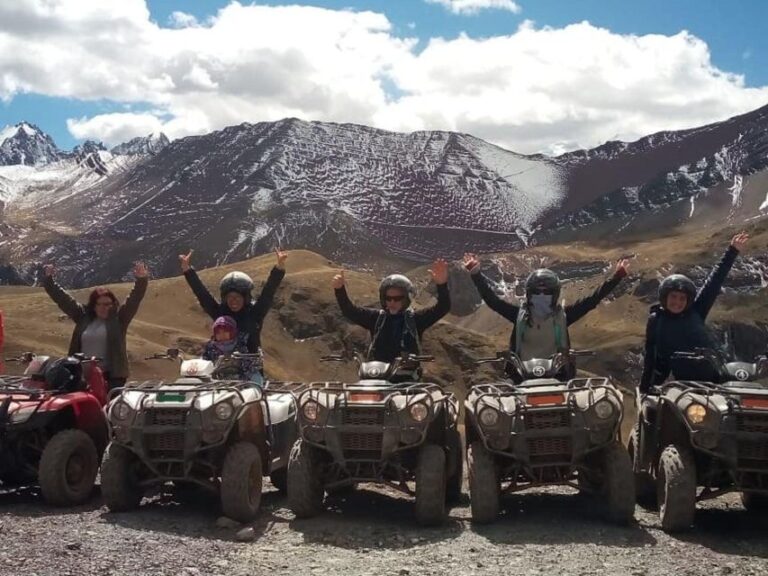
(310, 411)
(489, 417)
(695, 413)
(419, 412)
(604, 409)
(223, 410)
(121, 411)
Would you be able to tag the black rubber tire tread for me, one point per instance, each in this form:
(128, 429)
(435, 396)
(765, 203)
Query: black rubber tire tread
(119, 486)
(676, 488)
(456, 479)
(431, 480)
(645, 487)
(755, 503)
(618, 490)
(484, 486)
(279, 479)
(240, 497)
(305, 488)
(52, 470)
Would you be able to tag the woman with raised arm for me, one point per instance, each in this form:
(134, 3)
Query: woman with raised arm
(101, 324)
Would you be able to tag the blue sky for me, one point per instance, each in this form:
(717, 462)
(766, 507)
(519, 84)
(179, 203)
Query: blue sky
(100, 103)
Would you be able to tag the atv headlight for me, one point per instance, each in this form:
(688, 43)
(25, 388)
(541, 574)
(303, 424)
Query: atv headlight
(309, 410)
(419, 412)
(224, 410)
(22, 414)
(604, 409)
(695, 413)
(121, 411)
(489, 417)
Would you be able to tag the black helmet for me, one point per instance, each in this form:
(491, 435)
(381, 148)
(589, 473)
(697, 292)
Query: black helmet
(64, 374)
(238, 282)
(543, 281)
(397, 281)
(677, 283)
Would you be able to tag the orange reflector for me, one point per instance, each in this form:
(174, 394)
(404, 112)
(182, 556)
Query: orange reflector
(365, 397)
(543, 399)
(752, 402)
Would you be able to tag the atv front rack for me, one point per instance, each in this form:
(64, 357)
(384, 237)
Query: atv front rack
(15, 385)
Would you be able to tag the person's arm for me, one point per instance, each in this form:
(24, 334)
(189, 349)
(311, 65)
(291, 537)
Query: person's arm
(653, 373)
(365, 317)
(507, 309)
(131, 307)
(264, 302)
(64, 301)
(709, 292)
(581, 308)
(207, 302)
(426, 317)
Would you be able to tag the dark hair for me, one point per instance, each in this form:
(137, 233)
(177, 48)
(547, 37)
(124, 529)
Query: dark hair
(95, 294)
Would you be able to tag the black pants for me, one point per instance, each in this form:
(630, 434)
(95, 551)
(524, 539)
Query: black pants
(113, 383)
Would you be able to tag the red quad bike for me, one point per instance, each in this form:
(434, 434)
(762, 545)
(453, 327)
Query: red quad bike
(52, 427)
(702, 435)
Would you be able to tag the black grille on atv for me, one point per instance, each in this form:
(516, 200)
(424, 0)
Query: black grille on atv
(753, 454)
(166, 417)
(749, 422)
(363, 416)
(549, 450)
(361, 446)
(547, 420)
(165, 445)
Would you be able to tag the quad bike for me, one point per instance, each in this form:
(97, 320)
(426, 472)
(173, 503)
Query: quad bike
(388, 428)
(208, 428)
(702, 435)
(544, 427)
(52, 426)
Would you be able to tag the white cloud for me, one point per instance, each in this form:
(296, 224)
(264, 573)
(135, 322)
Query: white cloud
(537, 89)
(475, 6)
(183, 20)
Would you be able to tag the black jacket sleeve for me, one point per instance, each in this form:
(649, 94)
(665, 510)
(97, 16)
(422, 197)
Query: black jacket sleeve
(64, 301)
(426, 317)
(365, 317)
(706, 297)
(208, 303)
(263, 304)
(579, 309)
(508, 310)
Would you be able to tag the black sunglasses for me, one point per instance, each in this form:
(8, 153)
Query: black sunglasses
(394, 298)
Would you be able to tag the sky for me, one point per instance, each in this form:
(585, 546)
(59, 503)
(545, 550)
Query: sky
(529, 75)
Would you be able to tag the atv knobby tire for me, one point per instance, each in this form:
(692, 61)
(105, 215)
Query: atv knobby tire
(676, 488)
(305, 487)
(279, 479)
(241, 482)
(617, 492)
(431, 479)
(756, 503)
(120, 486)
(645, 487)
(455, 466)
(483, 484)
(68, 468)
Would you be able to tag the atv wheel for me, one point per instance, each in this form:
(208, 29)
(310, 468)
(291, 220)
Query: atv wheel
(455, 466)
(618, 489)
(241, 482)
(120, 486)
(754, 502)
(483, 484)
(431, 481)
(68, 468)
(676, 488)
(305, 488)
(645, 488)
(279, 480)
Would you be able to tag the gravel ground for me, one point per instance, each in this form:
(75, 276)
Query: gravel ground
(372, 531)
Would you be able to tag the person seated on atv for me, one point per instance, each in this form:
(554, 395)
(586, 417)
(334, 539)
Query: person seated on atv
(102, 323)
(678, 322)
(236, 298)
(226, 340)
(396, 328)
(541, 322)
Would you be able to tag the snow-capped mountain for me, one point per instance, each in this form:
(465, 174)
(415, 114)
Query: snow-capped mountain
(151, 144)
(27, 145)
(359, 194)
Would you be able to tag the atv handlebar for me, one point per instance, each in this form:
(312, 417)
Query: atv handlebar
(360, 358)
(24, 358)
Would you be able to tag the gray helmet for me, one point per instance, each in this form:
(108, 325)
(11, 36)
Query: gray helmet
(238, 282)
(397, 281)
(543, 281)
(677, 283)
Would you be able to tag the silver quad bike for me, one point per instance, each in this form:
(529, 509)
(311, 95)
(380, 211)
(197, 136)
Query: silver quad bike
(207, 428)
(540, 427)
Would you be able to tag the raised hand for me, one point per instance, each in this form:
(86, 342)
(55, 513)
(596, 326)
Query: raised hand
(472, 263)
(281, 258)
(622, 267)
(140, 270)
(439, 271)
(740, 240)
(184, 260)
(49, 270)
(338, 280)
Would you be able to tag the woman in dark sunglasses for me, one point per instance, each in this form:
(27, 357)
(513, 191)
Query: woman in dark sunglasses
(395, 327)
(102, 323)
(541, 321)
